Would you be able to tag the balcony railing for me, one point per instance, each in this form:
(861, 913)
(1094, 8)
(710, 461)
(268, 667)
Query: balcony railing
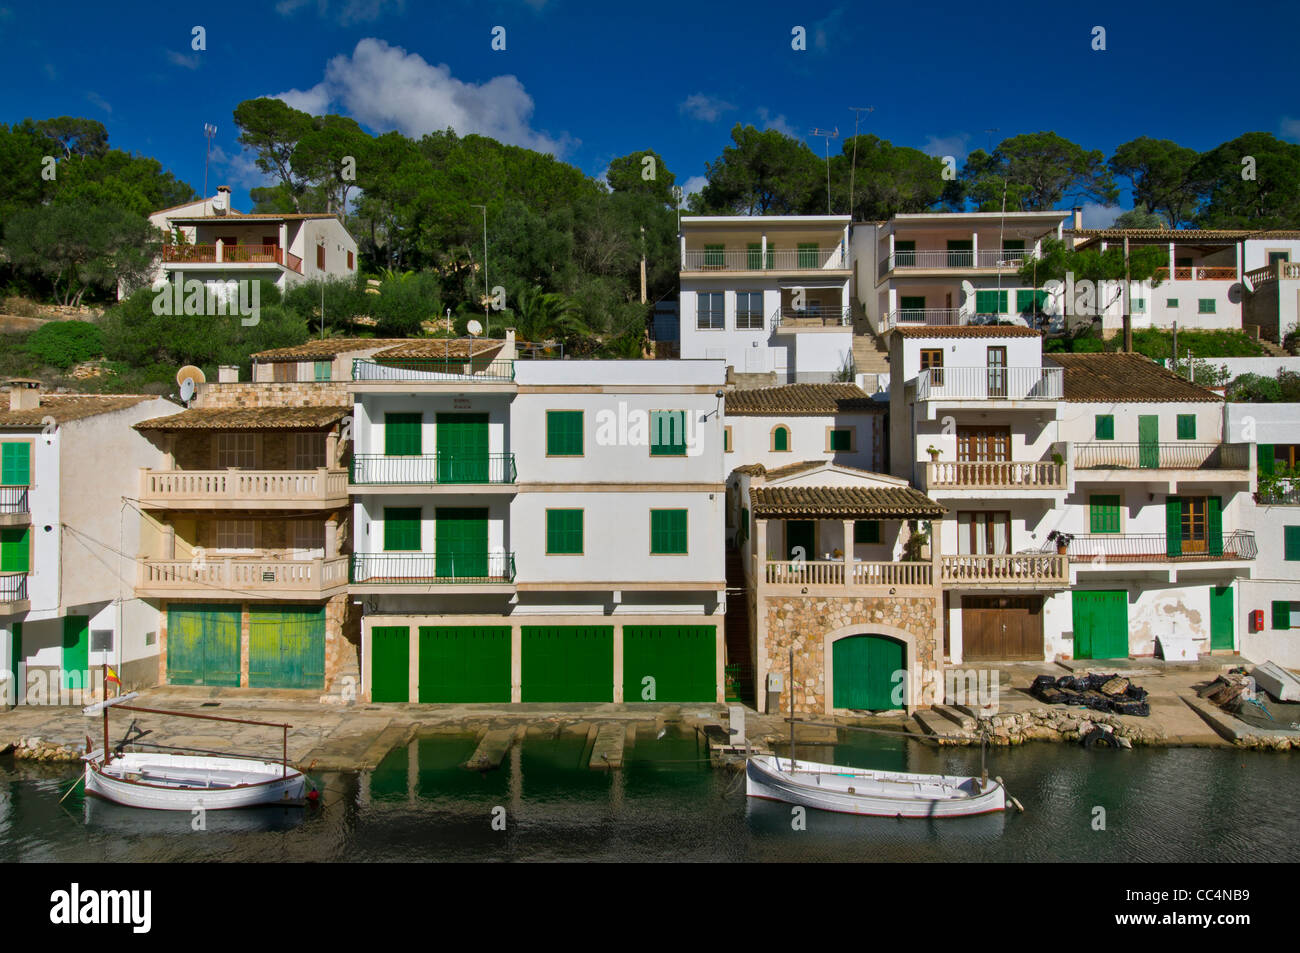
(1105, 455)
(812, 317)
(1102, 548)
(243, 486)
(13, 586)
(984, 475)
(243, 573)
(14, 500)
(990, 383)
(1277, 271)
(232, 254)
(1011, 568)
(831, 573)
(1199, 273)
(433, 468)
(1279, 495)
(932, 317)
(953, 258)
(456, 370)
(456, 568)
(778, 259)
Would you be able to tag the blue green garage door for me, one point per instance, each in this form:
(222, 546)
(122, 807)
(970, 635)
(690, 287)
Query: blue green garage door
(203, 644)
(568, 663)
(286, 647)
(390, 663)
(464, 663)
(1100, 624)
(863, 668)
(682, 660)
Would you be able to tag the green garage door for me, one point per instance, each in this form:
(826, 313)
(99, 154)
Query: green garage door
(203, 644)
(1100, 624)
(682, 660)
(568, 663)
(390, 663)
(464, 663)
(286, 647)
(863, 669)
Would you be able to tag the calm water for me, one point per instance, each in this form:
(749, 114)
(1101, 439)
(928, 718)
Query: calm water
(1180, 804)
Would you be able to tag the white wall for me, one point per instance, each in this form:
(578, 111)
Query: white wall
(751, 439)
(1078, 420)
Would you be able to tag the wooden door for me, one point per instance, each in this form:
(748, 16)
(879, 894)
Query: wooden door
(1002, 628)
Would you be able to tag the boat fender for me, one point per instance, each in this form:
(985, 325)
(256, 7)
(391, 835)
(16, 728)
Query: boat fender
(313, 795)
(1097, 738)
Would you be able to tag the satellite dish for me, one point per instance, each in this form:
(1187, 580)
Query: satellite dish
(187, 379)
(474, 328)
(187, 390)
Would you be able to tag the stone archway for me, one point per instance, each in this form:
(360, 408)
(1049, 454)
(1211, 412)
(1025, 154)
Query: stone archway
(913, 682)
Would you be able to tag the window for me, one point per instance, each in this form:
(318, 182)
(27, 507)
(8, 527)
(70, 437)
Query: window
(15, 464)
(309, 451)
(809, 255)
(709, 315)
(840, 440)
(961, 253)
(351, 264)
(990, 302)
(1139, 305)
(235, 534)
(402, 435)
(15, 549)
(564, 433)
(866, 531)
(323, 369)
(754, 256)
(667, 433)
(981, 533)
(1281, 615)
(1104, 428)
(1205, 306)
(1275, 256)
(932, 361)
(237, 450)
(911, 308)
(904, 254)
(284, 371)
(997, 371)
(726, 439)
(1171, 302)
(667, 532)
(307, 537)
(749, 310)
(715, 256)
(401, 529)
(1186, 426)
(564, 532)
(984, 444)
(1029, 301)
(320, 257)
(780, 439)
(101, 640)
(1291, 543)
(1103, 513)
(1193, 524)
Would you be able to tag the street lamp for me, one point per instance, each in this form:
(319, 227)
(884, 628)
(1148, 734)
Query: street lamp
(487, 300)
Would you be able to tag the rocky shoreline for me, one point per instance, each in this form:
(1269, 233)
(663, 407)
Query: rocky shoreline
(38, 749)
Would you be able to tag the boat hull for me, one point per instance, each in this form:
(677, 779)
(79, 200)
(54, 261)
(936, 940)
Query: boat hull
(828, 787)
(164, 782)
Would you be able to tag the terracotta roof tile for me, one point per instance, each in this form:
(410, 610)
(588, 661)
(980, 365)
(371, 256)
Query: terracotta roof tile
(1118, 378)
(249, 418)
(969, 331)
(843, 502)
(432, 349)
(795, 399)
(67, 407)
(323, 348)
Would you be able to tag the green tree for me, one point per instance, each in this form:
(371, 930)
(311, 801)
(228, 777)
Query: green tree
(1040, 171)
(326, 156)
(272, 129)
(1140, 218)
(74, 136)
(1252, 181)
(629, 174)
(886, 179)
(1106, 270)
(64, 343)
(762, 173)
(1162, 176)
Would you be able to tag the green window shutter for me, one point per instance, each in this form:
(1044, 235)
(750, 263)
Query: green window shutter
(1291, 543)
(990, 302)
(911, 303)
(1173, 527)
(564, 532)
(323, 370)
(1013, 244)
(714, 256)
(1205, 306)
(1024, 300)
(1105, 427)
(866, 531)
(667, 532)
(1186, 426)
(401, 529)
(1281, 615)
(668, 433)
(564, 433)
(402, 435)
(1171, 302)
(904, 253)
(781, 439)
(1103, 513)
(1214, 525)
(16, 464)
(744, 527)
(809, 254)
(841, 441)
(1264, 459)
(15, 549)
(1139, 305)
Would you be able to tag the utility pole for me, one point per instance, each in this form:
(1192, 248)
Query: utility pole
(1128, 313)
(1175, 347)
(827, 137)
(487, 298)
(643, 264)
(853, 167)
(209, 130)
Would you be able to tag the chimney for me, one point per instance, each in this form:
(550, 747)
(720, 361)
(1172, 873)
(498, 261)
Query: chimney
(228, 374)
(221, 204)
(508, 350)
(1078, 217)
(24, 394)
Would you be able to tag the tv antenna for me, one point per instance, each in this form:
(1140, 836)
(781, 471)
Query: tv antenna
(209, 130)
(853, 168)
(827, 136)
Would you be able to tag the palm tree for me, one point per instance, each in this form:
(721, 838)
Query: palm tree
(543, 316)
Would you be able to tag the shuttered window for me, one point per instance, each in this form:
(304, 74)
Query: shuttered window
(667, 532)
(841, 440)
(866, 531)
(1103, 514)
(402, 435)
(564, 433)
(401, 529)
(1291, 543)
(1186, 426)
(15, 549)
(667, 433)
(16, 464)
(781, 439)
(236, 450)
(1105, 427)
(1027, 299)
(563, 532)
(1205, 306)
(990, 302)
(714, 256)
(809, 255)
(1281, 615)
(323, 368)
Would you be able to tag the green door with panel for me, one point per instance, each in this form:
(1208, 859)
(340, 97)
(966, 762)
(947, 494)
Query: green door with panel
(76, 651)
(863, 668)
(1221, 619)
(390, 663)
(568, 663)
(1100, 624)
(203, 644)
(461, 542)
(1148, 441)
(462, 448)
(464, 663)
(670, 663)
(286, 647)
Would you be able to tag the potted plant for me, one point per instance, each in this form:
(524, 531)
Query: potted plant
(1058, 459)
(1062, 540)
(933, 451)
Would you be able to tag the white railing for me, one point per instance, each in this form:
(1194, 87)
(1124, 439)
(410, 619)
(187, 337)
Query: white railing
(811, 572)
(812, 318)
(990, 475)
(241, 486)
(1277, 271)
(990, 383)
(934, 317)
(1028, 568)
(954, 258)
(298, 575)
(780, 259)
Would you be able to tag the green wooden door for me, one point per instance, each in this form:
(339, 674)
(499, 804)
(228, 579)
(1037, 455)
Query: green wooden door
(461, 542)
(76, 651)
(1100, 624)
(462, 448)
(390, 663)
(670, 663)
(464, 663)
(402, 435)
(1221, 618)
(286, 647)
(402, 529)
(15, 549)
(15, 463)
(1148, 441)
(800, 539)
(864, 670)
(568, 663)
(203, 644)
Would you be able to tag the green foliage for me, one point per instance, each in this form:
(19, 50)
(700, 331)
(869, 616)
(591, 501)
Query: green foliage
(1254, 389)
(1139, 218)
(64, 343)
(1164, 186)
(271, 129)
(1270, 199)
(633, 175)
(761, 173)
(1040, 171)
(1158, 344)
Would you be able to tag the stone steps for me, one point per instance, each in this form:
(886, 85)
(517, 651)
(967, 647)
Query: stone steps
(934, 724)
(964, 720)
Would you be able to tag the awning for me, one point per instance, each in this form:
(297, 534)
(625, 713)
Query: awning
(842, 502)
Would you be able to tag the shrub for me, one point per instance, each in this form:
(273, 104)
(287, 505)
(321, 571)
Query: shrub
(1254, 389)
(64, 343)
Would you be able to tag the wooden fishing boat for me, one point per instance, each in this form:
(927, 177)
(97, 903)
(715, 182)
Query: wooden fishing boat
(830, 787)
(171, 782)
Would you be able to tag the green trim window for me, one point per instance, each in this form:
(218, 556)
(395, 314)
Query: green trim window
(866, 531)
(402, 435)
(668, 532)
(1171, 302)
(1029, 300)
(1205, 306)
(402, 529)
(322, 369)
(16, 549)
(754, 256)
(1103, 513)
(1291, 543)
(780, 439)
(726, 440)
(715, 256)
(904, 253)
(1281, 615)
(990, 302)
(16, 463)
(1104, 427)
(809, 255)
(841, 440)
(1139, 305)
(667, 433)
(1186, 426)
(564, 433)
(564, 532)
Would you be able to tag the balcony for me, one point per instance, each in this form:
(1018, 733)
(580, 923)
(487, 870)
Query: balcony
(1107, 455)
(990, 383)
(1037, 570)
(459, 371)
(993, 475)
(1001, 259)
(243, 489)
(863, 573)
(1278, 271)
(231, 254)
(1280, 493)
(433, 469)
(418, 572)
(1199, 273)
(789, 319)
(1101, 549)
(780, 260)
(13, 593)
(15, 505)
(237, 576)
(927, 317)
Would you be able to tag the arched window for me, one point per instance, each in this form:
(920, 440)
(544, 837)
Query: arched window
(780, 438)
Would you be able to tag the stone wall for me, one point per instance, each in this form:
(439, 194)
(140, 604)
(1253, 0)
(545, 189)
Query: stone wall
(273, 394)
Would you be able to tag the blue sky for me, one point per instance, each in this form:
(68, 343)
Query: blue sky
(592, 81)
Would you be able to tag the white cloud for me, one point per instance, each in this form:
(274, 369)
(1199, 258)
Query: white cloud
(779, 123)
(1100, 216)
(954, 145)
(346, 13)
(239, 169)
(694, 185)
(385, 87)
(98, 100)
(1290, 128)
(182, 60)
(703, 107)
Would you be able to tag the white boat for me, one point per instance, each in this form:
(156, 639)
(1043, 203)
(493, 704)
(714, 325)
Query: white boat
(171, 782)
(831, 787)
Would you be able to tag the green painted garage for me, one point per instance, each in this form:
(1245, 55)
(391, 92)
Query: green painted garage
(1100, 623)
(286, 647)
(203, 644)
(464, 663)
(863, 669)
(390, 663)
(568, 663)
(670, 663)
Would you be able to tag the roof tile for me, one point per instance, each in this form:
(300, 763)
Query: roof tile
(795, 399)
(249, 418)
(843, 502)
(1117, 378)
